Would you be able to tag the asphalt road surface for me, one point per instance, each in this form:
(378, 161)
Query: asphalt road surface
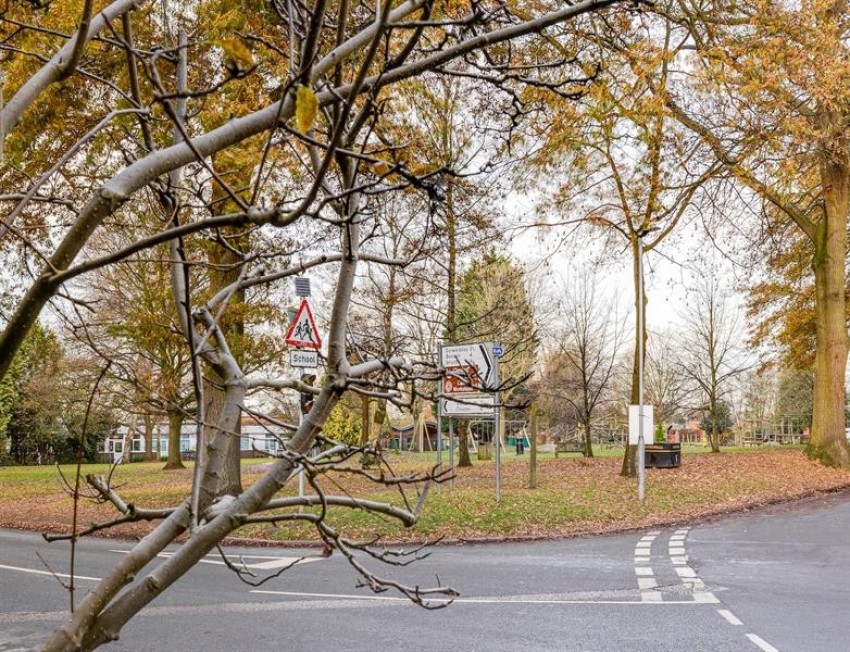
(775, 580)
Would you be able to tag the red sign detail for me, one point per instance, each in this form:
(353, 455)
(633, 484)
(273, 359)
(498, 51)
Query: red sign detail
(303, 332)
(461, 379)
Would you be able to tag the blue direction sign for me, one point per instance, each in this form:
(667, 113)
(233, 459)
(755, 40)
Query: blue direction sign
(498, 351)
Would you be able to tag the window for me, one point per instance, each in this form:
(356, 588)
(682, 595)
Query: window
(184, 443)
(245, 443)
(138, 445)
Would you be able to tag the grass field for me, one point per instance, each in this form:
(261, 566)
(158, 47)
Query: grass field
(575, 495)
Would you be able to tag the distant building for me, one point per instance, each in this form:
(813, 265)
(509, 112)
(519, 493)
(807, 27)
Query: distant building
(257, 440)
(692, 433)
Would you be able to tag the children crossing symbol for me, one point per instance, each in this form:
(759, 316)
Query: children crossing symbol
(303, 332)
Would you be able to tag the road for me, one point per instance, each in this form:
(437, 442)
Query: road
(773, 580)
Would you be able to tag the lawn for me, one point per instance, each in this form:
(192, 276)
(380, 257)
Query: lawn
(575, 496)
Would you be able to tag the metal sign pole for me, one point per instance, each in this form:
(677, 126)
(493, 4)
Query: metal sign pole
(439, 419)
(498, 433)
(301, 469)
(451, 453)
(439, 438)
(302, 289)
(641, 443)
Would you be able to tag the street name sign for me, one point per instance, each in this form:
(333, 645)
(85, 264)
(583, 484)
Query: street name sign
(470, 372)
(471, 366)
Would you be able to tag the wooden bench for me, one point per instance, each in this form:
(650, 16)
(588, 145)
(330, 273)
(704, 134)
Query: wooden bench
(570, 446)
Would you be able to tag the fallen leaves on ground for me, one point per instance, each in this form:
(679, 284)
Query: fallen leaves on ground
(574, 497)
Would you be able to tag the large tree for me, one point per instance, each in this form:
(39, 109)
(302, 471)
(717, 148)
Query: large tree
(622, 167)
(767, 95)
(494, 306)
(589, 347)
(314, 89)
(712, 355)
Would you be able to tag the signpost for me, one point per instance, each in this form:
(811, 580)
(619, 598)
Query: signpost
(470, 371)
(469, 388)
(302, 333)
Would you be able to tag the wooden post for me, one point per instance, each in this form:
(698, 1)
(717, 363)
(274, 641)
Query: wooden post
(532, 476)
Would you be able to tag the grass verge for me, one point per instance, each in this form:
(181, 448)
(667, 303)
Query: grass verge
(575, 496)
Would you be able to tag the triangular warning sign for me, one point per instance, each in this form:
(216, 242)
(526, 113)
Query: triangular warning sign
(303, 332)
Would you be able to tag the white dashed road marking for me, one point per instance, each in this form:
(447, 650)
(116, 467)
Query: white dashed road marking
(763, 645)
(731, 618)
(645, 577)
(689, 578)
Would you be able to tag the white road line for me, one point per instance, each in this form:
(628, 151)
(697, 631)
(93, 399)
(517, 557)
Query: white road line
(764, 645)
(689, 577)
(645, 583)
(44, 572)
(705, 597)
(731, 618)
(340, 596)
(645, 580)
(272, 563)
(281, 562)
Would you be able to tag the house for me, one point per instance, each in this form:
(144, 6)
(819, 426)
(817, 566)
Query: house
(257, 439)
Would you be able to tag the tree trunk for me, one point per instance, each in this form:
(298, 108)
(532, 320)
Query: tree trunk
(226, 264)
(463, 443)
(714, 438)
(532, 426)
(365, 421)
(588, 443)
(215, 399)
(128, 441)
(629, 468)
(149, 428)
(379, 418)
(175, 425)
(828, 442)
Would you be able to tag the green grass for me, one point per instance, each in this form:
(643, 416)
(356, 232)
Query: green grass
(575, 495)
